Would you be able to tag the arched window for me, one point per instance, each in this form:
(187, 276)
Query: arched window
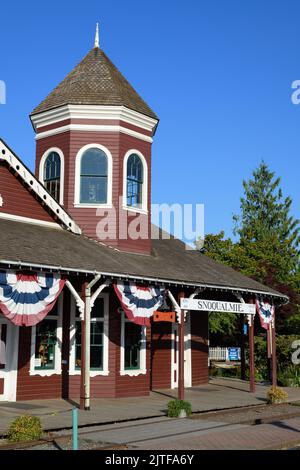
(52, 174)
(93, 177)
(135, 179)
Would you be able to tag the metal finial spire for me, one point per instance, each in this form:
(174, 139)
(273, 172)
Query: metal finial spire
(97, 36)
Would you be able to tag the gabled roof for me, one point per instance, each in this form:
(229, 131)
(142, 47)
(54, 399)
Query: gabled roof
(25, 245)
(40, 192)
(95, 81)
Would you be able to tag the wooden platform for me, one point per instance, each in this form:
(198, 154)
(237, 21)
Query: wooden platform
(218, 394)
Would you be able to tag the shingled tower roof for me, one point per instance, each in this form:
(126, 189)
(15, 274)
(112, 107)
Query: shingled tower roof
(95, 81)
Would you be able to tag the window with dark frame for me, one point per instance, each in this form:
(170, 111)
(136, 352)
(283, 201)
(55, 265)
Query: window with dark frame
(135, 176)
(93, 177)
(52, 174)
(45, 341)
(97, 337)
(132, 345)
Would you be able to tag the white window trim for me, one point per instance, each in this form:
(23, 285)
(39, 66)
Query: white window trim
(62, 170)
(93, 373)
(132, 372)
(10, 372)
(77, 202)
(57, 355)
(144, 208)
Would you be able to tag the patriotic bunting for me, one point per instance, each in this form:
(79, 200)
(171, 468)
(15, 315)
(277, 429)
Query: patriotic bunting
(266, 313)
(26, 299)
(139, 302)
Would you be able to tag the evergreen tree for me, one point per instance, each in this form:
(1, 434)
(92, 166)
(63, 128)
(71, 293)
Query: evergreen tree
(265, 227)
(268, 244)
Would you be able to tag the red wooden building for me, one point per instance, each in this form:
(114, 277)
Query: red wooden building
(92, 184)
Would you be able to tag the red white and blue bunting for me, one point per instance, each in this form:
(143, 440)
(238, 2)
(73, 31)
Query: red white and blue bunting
(139, 302)
(26, 299)
(266, 313)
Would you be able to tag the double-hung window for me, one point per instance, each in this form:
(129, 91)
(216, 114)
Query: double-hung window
(97, 337)
(46, 341)
(133, 348)
(93, 177)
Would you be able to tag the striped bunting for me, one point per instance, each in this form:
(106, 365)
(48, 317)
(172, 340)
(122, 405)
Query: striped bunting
(139, 302)
(266, 313)
(26, 299)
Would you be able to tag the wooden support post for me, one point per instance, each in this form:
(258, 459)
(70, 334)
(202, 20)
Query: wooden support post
(251, 356)
(82, 370)
(181, 353)
(243, 359)
(274, 355)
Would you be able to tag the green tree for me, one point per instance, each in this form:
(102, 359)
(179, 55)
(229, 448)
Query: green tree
(267, 246)
(265, 227)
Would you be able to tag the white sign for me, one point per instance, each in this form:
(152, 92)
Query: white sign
(217, 306)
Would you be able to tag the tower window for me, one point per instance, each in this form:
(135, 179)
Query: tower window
(93, 177)
(135, 178)
(52, 174)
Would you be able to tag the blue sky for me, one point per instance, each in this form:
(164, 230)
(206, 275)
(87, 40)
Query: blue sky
(218, 73)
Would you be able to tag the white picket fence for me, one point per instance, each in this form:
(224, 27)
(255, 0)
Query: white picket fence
(221, 354)
(218, 354)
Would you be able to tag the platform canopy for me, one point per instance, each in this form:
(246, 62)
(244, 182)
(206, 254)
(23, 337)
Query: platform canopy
(25, 245)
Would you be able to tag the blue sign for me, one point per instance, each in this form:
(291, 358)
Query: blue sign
(233, 354)
(245, 329)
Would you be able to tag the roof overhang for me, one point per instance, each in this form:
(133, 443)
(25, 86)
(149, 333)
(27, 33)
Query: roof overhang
(95, 112)
(282, 299)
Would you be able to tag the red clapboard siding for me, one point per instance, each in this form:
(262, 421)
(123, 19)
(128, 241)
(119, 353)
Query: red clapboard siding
(199, 343)
(18, 200)
(161, 355)
(139, 385)
(118, 144)
(33, 387)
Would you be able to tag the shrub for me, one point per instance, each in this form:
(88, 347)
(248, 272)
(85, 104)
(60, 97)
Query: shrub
(289, 376)
(283, 350)
(175, 406)
(276, 395)
(25, 428)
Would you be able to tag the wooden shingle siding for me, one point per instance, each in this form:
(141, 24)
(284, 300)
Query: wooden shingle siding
(199, 344)
(18, 200)
(95, 80)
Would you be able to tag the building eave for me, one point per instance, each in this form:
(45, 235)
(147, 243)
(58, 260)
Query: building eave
(132, 277)
(8, 155)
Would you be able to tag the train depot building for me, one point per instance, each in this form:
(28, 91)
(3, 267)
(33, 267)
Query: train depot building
(83, 315)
